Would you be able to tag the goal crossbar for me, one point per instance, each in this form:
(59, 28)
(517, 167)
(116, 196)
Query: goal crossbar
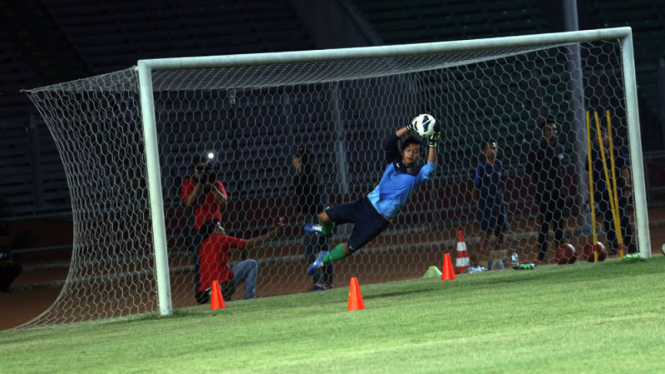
(180, 63)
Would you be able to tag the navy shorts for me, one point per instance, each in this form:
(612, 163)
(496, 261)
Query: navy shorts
(491, 215)
(368, 222)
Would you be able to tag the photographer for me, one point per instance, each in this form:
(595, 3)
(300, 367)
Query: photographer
(205, 194)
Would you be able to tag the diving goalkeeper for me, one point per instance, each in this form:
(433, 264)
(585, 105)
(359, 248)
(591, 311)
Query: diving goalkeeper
(372, 214)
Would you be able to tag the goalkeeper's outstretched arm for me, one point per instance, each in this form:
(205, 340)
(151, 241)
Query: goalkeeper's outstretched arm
(401, 132)
(390, 144)
(431, 157)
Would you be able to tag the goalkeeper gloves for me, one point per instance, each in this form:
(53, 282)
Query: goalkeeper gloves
(412, 126)
(433, 140)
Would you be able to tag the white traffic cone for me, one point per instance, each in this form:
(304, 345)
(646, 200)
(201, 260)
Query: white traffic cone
(462, 260)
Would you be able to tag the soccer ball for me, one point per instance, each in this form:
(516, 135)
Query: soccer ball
(588, 252)
(424, 125)
(565, 254)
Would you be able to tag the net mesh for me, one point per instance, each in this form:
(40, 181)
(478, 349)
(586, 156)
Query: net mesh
(94, 124)
(254, 119)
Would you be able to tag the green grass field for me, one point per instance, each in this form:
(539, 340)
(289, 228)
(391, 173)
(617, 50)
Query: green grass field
(584, 318)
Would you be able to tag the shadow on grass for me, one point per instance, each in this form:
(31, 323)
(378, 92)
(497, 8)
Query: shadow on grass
(393, 294)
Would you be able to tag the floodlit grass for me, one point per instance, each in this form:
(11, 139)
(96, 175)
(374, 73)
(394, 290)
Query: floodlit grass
(584, 318)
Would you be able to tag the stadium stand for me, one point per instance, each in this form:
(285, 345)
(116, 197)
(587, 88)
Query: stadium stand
(428, 20)
(432, 20)
(32, 177)
(16, 184)
(103, 37)
(14, 78)
(115, 34)
(81, 38)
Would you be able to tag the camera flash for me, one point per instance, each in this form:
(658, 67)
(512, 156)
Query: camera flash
(211, 156)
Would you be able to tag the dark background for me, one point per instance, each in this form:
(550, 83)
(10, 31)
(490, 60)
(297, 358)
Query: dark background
(43, 42)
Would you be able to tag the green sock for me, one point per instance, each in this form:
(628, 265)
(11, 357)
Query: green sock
(335, 254)
(327, 228)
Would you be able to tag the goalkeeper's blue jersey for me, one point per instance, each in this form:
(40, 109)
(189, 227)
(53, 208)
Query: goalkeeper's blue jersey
(395, 187)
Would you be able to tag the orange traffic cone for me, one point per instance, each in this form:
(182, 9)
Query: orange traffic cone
(355, 297)
(462, 259)
(448, 271)
(216, 299)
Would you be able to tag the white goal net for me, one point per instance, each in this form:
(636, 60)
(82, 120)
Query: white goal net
(253, 119)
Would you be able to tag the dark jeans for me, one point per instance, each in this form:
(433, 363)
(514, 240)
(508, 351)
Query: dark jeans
(608, 223)
(244, 271)
(550, 210)
(7, 275)
(314, 244)
(195, 239)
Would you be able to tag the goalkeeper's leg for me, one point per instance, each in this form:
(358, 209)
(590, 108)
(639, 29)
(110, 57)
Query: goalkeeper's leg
(337, 215)
(327, 224)
(324, 228)
(339, 252)
(369, 224)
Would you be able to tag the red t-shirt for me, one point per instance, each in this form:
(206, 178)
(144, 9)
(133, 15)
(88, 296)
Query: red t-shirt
(208, 210)
(214, 259)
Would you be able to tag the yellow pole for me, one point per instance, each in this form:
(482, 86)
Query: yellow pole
(617, 220)
(592, 203)
(607, 177)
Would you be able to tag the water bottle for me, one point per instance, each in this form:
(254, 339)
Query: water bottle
(475, 269)
(515, 260)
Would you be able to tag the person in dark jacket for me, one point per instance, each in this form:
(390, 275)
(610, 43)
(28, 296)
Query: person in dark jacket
(310, 200)
(491, 210)
(546, 168)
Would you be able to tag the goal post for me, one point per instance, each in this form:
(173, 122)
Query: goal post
(155, 189)
(135, 133)
(635, 139)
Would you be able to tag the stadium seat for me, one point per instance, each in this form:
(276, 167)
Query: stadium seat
(119, 32)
